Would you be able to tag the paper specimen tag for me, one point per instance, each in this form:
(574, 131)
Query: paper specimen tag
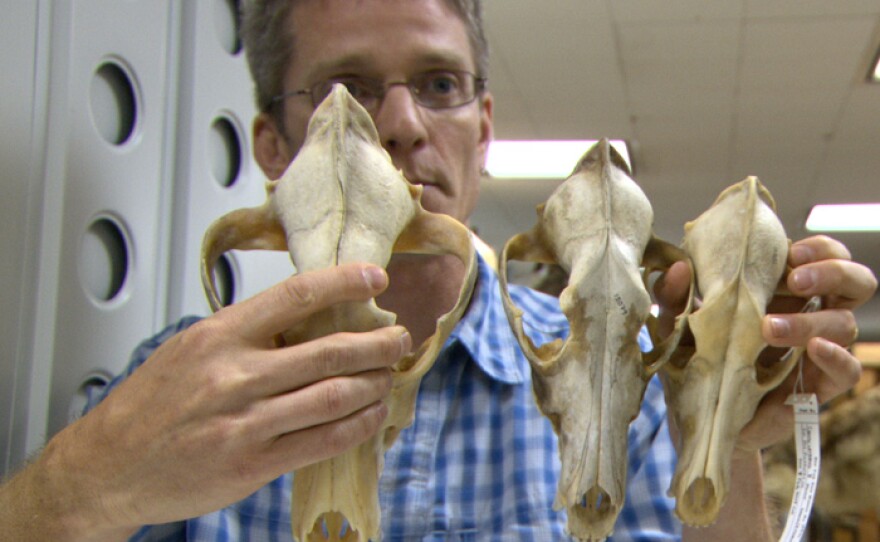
(806, 435)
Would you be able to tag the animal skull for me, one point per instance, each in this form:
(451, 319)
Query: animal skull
(341, 200)
(739, 251)
(597, 227)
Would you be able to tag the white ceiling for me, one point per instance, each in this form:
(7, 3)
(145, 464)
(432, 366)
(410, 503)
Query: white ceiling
(706, 92)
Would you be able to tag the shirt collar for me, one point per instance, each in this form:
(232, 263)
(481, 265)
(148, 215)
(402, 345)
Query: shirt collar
(485, 333)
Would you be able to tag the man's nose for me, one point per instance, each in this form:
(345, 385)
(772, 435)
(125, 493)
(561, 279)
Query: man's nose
(399, 120)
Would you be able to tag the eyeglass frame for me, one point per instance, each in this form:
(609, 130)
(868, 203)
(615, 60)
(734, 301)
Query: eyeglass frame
(316, 91)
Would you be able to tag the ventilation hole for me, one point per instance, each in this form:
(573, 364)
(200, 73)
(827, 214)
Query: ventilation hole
(225, 279)
(103, 260)
(224, 152)
(113, 103)
(227, 23)
(92, 385)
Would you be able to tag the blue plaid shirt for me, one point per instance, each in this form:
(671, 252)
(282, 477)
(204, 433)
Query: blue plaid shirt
(480, 462)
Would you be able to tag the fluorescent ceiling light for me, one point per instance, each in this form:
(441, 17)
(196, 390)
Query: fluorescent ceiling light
(546, 159)
(852, 217)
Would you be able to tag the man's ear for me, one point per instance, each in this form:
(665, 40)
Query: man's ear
(270, 147)
(486, 126)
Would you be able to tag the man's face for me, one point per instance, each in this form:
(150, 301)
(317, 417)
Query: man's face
(391, 40)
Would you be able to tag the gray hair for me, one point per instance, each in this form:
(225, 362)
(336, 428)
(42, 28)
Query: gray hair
(269, 44)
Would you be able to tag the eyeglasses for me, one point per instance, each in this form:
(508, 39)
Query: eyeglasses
(437, 89)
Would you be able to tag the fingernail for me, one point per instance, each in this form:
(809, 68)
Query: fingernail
(375, 277)
(804, 279)
(780, 327)
(405, 343)
(801, 254)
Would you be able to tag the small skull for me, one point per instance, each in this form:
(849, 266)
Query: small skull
(739, 251)
(597, 227)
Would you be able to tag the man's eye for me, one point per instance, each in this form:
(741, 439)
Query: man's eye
(357, 89)
(441, 83)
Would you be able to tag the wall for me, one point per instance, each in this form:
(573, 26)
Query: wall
(21, 186)
(126, 132)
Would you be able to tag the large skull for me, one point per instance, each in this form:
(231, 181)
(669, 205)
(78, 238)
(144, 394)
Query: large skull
(739, 251)
(597, 227)
(341, 200)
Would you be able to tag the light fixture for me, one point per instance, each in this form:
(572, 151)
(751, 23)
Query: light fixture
(849, 217)
(542, 159)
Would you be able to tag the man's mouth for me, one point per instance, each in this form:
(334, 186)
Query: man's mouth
(425, 184)
(428, 186)
(426, 181)
(418, 181)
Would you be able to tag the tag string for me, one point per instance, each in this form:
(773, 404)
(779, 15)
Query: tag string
(812, 305)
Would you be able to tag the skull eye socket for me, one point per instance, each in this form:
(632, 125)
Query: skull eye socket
(679, 361)
(683, 353)
(769, 364)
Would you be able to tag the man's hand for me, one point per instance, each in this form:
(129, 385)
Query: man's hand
(821, 267)
(218, 411)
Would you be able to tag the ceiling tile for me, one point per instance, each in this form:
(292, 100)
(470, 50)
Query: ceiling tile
(679, 66)
(627, 11)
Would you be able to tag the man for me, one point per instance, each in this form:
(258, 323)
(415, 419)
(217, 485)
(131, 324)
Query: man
(204, 427)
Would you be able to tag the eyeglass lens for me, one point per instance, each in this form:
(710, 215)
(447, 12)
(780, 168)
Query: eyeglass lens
(434, 89)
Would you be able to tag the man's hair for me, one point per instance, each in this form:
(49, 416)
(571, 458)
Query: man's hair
(269, 45)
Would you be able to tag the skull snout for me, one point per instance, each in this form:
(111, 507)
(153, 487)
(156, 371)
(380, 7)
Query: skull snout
(700, 500)
(595, 509)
